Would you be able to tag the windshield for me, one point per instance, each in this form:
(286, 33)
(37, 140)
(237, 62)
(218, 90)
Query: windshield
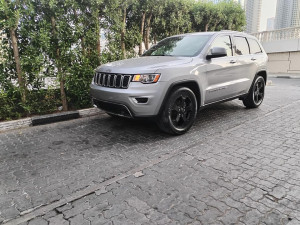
(186, 46)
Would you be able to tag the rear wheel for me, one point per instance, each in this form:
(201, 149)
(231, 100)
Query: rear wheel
(256, 94)
(179, 112)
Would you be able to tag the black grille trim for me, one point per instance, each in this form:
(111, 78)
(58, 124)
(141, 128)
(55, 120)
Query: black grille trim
(113, 108)
(112, 80)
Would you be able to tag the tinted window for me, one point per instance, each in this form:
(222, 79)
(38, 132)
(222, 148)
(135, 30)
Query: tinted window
(189, 45)
(254, 46)
(242, 47)
(224, 42)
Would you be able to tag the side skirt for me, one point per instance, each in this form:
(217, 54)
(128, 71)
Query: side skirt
(224, 100)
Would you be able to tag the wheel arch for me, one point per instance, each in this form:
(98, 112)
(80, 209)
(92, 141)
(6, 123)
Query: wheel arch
(262, 73)
(191, 84)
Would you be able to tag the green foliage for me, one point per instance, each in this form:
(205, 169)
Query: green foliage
(38, 102)
(61, 39)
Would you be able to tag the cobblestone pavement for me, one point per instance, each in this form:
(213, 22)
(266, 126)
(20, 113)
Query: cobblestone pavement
(235, 166)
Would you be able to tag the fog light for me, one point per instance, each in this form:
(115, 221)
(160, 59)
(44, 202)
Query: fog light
(141, 100)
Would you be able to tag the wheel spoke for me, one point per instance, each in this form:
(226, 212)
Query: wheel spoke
(175, 108)
(177, 118)
(188, 108)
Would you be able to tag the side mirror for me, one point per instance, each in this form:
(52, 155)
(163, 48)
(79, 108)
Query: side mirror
(216, 52)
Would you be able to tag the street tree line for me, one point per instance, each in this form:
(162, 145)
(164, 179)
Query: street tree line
(62, 39)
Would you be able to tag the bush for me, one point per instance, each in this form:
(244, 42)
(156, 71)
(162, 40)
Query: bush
(38, 102)
(9, 105)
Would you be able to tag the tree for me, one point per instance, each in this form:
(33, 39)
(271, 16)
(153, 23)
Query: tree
(62, 39)
(10, 16)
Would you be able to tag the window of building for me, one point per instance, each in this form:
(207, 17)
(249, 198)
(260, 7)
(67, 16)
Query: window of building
(242, 47)
(223, 42)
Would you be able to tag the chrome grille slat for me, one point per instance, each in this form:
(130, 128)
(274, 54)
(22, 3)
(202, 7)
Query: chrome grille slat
(98, 78)
(107, 81)
(121, 82)
(112, 80)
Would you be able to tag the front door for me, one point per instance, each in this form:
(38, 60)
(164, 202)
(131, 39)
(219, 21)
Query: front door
(220, 72)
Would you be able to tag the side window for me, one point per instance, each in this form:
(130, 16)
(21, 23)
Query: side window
(223, 42)
(254, 46)
(242, 47)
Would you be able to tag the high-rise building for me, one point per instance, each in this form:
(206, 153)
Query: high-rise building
(287, 14)
(270, 23)
(242, 2)
(253, 13)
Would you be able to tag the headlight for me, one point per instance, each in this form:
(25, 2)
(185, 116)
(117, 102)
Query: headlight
(146, 78)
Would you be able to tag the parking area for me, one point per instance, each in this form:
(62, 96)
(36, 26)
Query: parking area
(235, 166)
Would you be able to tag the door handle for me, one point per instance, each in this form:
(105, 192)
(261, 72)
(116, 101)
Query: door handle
(233, 61)
(253, 59)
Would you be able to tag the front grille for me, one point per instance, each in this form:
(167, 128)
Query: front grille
(112, 80)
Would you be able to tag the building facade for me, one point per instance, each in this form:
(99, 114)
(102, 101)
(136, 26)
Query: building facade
(270, 24)
(253, 14)
(287, 14)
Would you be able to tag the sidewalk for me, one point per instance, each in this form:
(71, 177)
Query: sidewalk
(284, 75)
(49, 118)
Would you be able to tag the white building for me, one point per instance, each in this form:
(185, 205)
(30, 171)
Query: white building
(242, 2)
(270, 23)
(253, 14)
(287, 14)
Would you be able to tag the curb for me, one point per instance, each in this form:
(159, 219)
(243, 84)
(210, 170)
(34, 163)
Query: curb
(284, 76)
(50, 118)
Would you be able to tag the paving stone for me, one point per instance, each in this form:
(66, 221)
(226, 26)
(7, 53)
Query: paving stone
(58, 220)
(38, 221)
(245, 175)
(78, 220)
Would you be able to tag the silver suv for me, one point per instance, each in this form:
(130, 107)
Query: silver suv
(180, 75)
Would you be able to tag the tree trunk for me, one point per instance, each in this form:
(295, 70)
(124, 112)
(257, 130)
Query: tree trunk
(99, 45)
(206, 27)
(99, 37)
(154, 39)
(59, 68)
(123, 34)
(142, 33)
(21, 81)
(147, 37)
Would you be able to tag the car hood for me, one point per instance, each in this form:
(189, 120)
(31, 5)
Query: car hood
(145, 64)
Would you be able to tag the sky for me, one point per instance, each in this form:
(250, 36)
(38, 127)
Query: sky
(268, 10)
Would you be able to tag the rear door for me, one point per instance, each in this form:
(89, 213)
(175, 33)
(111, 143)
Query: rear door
(246, 65)
(257, 56)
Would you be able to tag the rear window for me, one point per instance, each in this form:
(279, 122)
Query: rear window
(242, 47)
(254, 46)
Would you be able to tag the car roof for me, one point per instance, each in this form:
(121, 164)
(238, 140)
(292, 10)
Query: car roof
(215, 33)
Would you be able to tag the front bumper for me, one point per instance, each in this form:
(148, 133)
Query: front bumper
(116, 101)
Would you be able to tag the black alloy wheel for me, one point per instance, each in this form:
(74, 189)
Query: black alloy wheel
(180, 111)
(256, 94)
(259, 91)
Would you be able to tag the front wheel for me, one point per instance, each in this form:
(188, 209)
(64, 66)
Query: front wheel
(256, 94)
(179, 112)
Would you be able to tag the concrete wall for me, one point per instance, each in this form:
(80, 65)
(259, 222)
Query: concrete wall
(292, 45)
(284, 62)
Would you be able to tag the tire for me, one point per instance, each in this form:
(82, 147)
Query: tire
(256, 94)
(179, 112)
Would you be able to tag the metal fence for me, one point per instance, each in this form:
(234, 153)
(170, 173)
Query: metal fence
(282, 34)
